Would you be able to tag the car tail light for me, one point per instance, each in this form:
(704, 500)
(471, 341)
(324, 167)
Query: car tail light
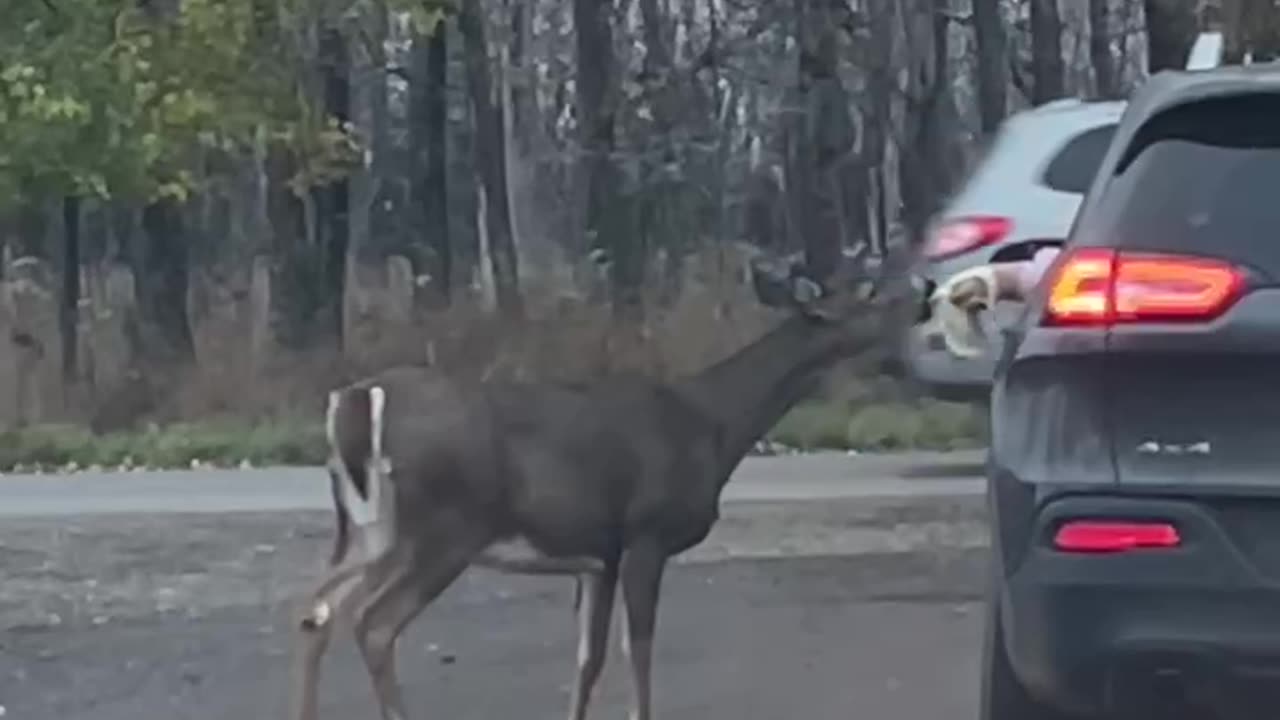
(962, 234)
(1094, 286)
(1109, 536)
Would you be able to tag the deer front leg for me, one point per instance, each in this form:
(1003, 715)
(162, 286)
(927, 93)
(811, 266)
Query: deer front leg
(595, 610)
(642, 568)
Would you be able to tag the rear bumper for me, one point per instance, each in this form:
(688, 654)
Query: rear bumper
(1149, 631)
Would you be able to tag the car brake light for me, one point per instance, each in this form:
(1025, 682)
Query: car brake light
(1094, 286)
(1107, 536)
(962, 234)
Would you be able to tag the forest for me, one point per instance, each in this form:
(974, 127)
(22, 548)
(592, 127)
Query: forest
(220, 208)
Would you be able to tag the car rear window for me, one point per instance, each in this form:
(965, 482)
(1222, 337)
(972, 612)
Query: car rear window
(1073, 168)
(1202, 178)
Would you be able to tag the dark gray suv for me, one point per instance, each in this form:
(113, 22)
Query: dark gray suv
(1134, 469)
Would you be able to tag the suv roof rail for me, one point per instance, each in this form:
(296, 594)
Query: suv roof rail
(1206, 53)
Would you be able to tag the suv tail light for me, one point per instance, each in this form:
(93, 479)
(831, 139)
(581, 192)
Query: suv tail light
(1098, 286)
(962, 234)
(1105, 536)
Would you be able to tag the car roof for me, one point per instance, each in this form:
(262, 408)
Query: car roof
(1047, 127)
(1025, 144)
(1074, 109)
(1169, 89)
(1073, 114)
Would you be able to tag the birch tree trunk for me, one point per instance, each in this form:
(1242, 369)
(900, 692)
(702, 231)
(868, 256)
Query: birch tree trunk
(491, 159)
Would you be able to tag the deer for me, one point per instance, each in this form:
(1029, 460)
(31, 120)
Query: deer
(602, 481)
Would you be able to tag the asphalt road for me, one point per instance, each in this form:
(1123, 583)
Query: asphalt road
(817, 601)
(806, 477)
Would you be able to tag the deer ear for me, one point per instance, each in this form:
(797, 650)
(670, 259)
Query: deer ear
(807, 296)
(771, 283)
(805, 292)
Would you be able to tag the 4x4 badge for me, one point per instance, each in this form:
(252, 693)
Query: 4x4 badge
(1151, 447)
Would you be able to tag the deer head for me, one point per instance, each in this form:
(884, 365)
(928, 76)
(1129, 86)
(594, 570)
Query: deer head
(849, 297)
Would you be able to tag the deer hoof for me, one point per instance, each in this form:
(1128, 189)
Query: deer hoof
(318, 617)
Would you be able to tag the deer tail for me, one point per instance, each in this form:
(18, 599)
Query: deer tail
(342, 532)
(354, 429)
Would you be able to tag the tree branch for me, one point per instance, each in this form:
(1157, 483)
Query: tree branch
(1017, 77)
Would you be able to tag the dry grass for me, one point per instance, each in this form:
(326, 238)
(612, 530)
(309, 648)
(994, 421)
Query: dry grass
(561, 337)
(242, 399)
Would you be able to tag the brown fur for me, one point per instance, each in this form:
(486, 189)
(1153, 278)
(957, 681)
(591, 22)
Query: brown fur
(605, 481)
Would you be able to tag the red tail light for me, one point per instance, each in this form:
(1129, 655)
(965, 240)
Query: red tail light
(1094, 286)
(963, 234)
(1107, 536)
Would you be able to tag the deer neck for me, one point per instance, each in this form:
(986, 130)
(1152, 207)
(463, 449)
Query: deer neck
(749, 391)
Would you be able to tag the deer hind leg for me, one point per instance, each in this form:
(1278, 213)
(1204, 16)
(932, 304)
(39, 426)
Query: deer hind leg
(642, 568)
(595, 611)
(353, 567)
(333, 599)
(413, 579)
(342, 529)
(315, 631)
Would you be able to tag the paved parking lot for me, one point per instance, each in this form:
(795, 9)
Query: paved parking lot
(833, 608)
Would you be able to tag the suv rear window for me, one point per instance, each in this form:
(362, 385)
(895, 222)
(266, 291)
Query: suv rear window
(1201, 178)
(1073, 168)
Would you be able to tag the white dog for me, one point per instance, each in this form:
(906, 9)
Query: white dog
(958, 300)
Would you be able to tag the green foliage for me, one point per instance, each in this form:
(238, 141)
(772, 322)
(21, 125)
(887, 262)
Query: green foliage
(931, 425)
(818, 425)
(813, 426)
(425, 15)
(99, 99)
(879, 426)
(228, 444)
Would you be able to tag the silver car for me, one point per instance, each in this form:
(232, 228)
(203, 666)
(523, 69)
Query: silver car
(1022, 196)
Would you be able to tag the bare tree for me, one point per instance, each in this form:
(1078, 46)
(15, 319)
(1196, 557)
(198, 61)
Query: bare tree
(1171, 30)
(993, 69)
(429, 146)
(1047, 71)
(925, 175)
(69, 300)
(1106, 79)
(332, 199)
(491, 158)
(605, 481)
(819, 135)
(1250, 27)
(597, 179)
